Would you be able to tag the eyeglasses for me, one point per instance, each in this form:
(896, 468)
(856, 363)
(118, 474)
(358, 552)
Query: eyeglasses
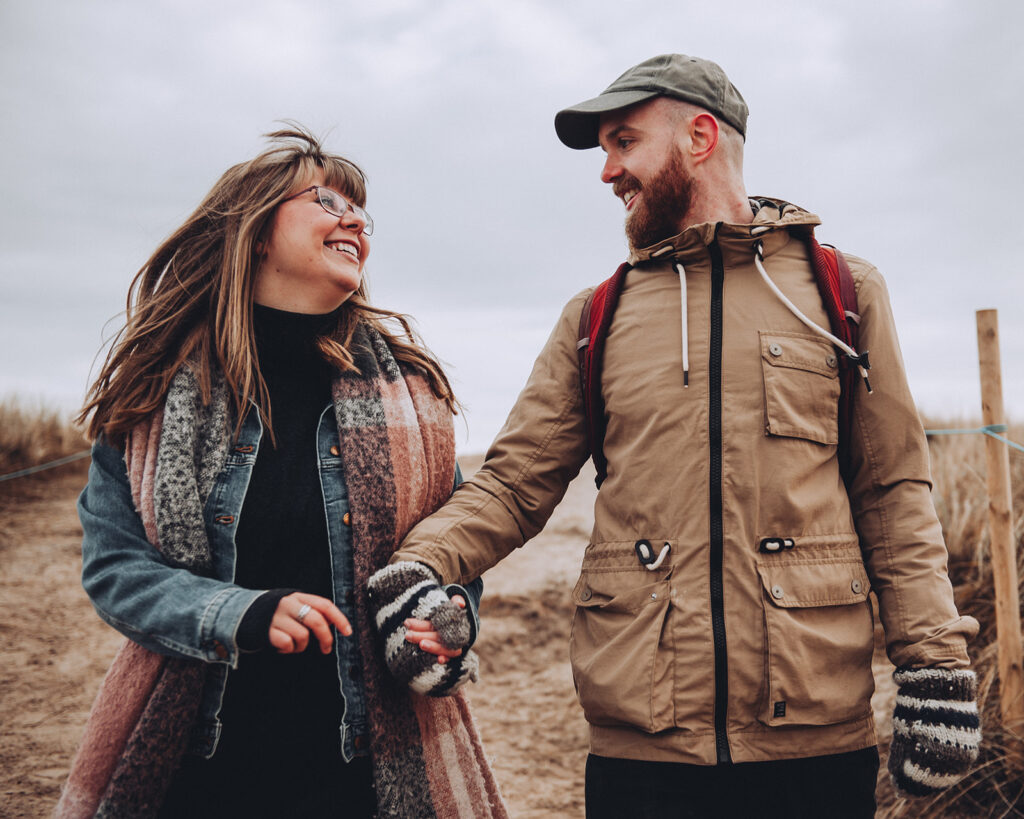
(337, 205)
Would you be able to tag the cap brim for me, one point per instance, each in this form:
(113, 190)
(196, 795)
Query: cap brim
(577, 126)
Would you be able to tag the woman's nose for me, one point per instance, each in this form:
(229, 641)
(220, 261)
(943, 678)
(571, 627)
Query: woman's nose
(351, 220)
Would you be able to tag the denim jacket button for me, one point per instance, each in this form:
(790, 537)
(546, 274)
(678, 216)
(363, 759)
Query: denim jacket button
(220, 650)
(347, 519)
(335, 450)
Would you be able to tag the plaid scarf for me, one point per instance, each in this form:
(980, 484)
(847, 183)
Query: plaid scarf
(397, 442)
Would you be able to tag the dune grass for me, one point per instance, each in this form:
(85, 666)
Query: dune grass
(31, 434)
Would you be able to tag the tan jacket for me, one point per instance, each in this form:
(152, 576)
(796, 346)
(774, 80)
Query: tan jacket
(724, 652)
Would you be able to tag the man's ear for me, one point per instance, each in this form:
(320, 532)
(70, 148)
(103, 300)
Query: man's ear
(703, 137)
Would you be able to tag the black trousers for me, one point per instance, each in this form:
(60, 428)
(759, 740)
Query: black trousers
(841, 786)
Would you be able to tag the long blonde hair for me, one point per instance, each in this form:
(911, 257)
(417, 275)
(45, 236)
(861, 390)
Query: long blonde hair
(192, 301)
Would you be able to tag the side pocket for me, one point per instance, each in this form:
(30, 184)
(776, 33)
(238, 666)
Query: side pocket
(819, 630)
(801, 387)
(613, 647)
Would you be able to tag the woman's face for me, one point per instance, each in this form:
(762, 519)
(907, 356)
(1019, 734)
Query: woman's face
(313, 260)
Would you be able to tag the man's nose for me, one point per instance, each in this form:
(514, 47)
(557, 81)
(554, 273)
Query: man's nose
(611, 171)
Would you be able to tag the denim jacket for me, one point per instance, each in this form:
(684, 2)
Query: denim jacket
(174, 612)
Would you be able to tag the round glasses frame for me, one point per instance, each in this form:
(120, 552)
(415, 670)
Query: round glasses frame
(337, 205)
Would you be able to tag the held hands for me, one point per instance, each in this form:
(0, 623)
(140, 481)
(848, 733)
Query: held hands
(299, 615)
(404, 597)
(423, 633)
(936, 729)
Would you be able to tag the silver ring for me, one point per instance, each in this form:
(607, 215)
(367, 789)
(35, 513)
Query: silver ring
(306, 609)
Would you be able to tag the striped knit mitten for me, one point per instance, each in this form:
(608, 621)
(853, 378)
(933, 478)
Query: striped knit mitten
(936, 729)
(408, 589)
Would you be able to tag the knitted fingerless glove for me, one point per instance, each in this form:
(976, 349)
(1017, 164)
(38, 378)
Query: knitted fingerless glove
(936, 729)
(409, 589)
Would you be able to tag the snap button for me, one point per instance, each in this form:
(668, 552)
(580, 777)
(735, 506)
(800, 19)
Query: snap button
(775, 349)
(220, 650)
(654, 595)
(586, 594)
(347, 518)
(831, 361)
(335, 450)
(856, 585)
(777, 592)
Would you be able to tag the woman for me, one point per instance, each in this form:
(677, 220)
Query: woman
(264, 439)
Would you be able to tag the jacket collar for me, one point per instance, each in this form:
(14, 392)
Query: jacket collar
(770, 216)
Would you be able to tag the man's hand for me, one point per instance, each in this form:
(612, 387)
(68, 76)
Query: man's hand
(936, 729)
(408, 592)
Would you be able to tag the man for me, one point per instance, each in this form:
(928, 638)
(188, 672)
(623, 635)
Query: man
(729, 677)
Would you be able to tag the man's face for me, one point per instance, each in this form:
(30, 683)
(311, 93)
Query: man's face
(646, 169)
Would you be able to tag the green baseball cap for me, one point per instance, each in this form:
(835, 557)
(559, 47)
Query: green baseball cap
(691, 79)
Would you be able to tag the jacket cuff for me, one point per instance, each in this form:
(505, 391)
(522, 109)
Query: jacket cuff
(254, 630)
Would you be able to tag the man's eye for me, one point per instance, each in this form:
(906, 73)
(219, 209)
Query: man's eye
(624, 143)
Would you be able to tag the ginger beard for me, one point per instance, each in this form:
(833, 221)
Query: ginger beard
(662, 203)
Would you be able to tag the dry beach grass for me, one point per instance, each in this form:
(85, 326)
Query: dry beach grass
(54, 649)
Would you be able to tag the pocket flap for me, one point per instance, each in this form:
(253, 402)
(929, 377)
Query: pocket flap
(835, 581)
(622, 591)
(799, 352)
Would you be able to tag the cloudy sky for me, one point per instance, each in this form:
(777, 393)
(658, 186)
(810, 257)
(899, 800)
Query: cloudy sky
(899, 123)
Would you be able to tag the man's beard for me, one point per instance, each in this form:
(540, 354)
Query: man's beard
(663, 203)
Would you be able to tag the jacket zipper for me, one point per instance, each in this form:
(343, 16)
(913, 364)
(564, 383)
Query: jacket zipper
(715, 500)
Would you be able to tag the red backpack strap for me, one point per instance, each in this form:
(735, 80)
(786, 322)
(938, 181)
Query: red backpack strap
(595, 320)
(839, 295)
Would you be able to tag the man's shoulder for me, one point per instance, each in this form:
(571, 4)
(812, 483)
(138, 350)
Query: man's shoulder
(861, 269)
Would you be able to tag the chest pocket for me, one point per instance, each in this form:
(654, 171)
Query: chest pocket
(801, 387)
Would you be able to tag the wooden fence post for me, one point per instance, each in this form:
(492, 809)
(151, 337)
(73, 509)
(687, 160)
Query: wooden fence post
(1000, 518)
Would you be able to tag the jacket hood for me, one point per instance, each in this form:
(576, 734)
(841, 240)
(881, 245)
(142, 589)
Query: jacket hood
(768, 215)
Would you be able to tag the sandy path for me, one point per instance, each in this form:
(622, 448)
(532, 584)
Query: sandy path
(54, 651)
(53, 648)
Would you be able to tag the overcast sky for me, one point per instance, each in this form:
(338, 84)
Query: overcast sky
(899, 123)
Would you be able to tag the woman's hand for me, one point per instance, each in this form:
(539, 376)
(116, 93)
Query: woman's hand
(297, 615)
(423, 633)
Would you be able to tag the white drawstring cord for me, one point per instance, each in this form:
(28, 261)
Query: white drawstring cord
(645, 553)
(851, 353)
(682, 307)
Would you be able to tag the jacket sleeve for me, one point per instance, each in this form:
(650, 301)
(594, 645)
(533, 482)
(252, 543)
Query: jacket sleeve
(538, 452)
(164, 608)
(890, 496)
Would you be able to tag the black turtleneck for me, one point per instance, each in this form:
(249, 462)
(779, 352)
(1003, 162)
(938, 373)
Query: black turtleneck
(282, 531)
